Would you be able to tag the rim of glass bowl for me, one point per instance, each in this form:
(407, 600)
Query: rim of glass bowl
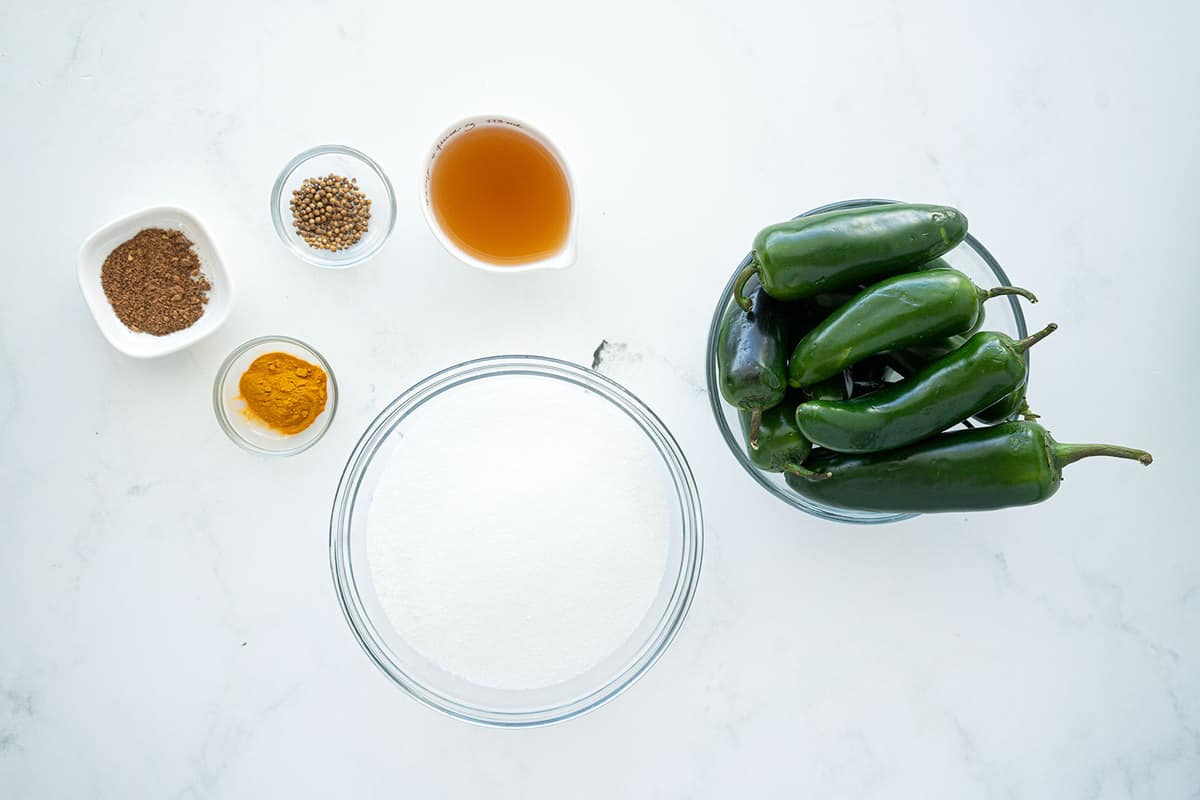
(507, 365)
(734, 441)
(223, 413)
(309, 254)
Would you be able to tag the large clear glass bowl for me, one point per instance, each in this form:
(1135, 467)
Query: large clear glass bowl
(442, 689)
(970, 257)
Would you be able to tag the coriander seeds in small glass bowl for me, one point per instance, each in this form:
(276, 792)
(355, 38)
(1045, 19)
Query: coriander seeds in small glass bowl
(333, 206)
(275, 396)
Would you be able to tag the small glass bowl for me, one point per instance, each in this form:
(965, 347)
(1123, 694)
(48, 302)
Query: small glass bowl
(443, 690)
(971, 258)
(252, 434)
(349, 163)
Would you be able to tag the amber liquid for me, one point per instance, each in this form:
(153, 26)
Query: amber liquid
(501, 196)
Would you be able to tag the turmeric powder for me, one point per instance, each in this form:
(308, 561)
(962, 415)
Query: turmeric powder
(285, 392)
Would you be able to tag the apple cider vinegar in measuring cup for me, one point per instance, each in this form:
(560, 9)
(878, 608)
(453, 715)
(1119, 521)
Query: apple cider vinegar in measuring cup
(499, 197)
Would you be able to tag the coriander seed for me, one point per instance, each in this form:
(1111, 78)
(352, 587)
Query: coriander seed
(330, 213)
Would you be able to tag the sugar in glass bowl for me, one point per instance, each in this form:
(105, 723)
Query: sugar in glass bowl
(362, 591)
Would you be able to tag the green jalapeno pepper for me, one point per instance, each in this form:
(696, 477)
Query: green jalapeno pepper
(778, 445)
(985, 370)
(911, 360)
(1012, 464)
(752, 358)
(841, 249)
(835, 388)
(894, 313)
(908, 361)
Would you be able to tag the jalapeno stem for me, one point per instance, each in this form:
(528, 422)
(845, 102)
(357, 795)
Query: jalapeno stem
(1003, 290)
(1064, 454)
(807, 474)
(739, 286)
(1029, 341)
(755, 426)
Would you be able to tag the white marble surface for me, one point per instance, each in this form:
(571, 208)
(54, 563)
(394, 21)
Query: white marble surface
(169, 627)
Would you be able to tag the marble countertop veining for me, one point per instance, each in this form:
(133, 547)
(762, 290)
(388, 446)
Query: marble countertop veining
(169, 628)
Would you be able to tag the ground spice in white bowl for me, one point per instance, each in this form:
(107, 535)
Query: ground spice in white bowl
(154, 282)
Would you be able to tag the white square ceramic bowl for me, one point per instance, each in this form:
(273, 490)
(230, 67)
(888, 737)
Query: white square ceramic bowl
(144, 345)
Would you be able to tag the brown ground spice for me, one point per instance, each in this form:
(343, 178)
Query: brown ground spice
(154, 282)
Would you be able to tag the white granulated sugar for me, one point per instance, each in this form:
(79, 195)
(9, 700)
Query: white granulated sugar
(519, 533)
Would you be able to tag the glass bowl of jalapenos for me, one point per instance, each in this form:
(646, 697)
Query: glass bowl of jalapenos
(770, 462)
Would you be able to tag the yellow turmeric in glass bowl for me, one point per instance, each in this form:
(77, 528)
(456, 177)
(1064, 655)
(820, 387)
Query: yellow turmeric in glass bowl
(285, 392)
(275, 396)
